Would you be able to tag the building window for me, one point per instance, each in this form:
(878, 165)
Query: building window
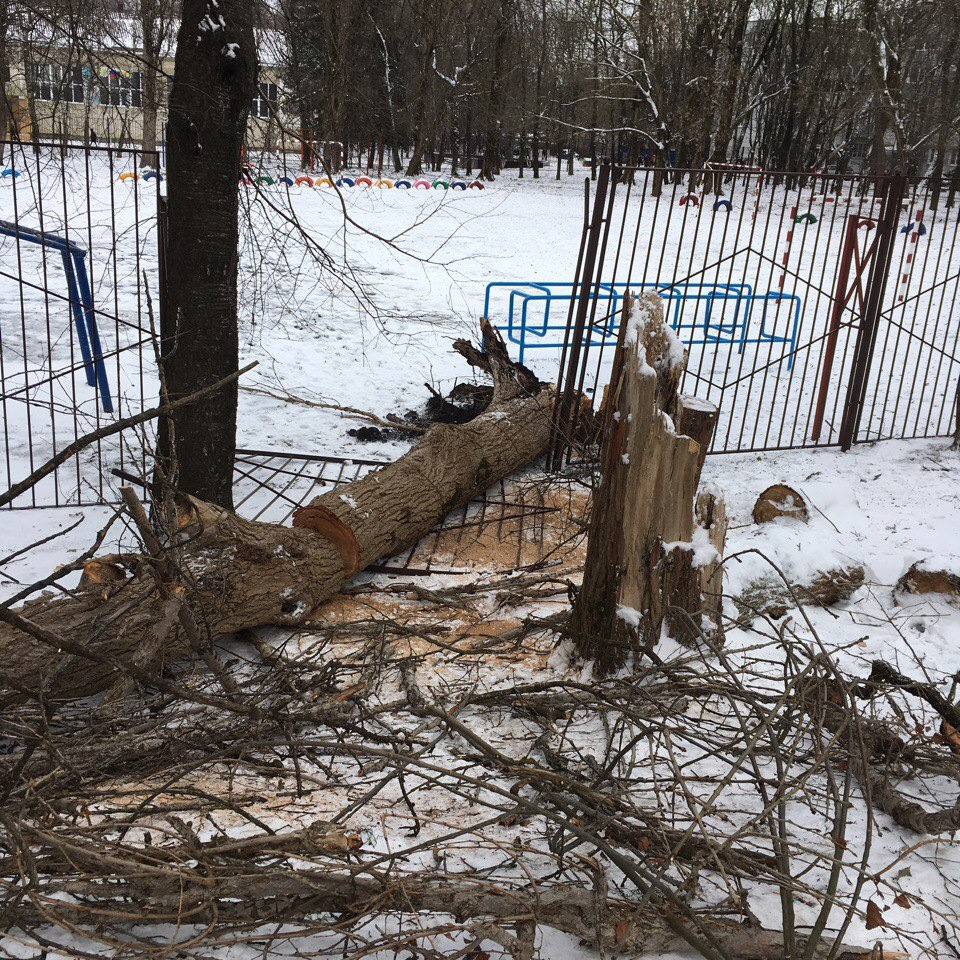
(265, 102)
(53, 83)
(120, 90)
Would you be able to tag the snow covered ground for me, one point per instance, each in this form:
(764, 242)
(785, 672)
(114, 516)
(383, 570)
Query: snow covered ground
(371, 337)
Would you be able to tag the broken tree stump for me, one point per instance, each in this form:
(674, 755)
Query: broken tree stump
(642, 568)
(238, 574)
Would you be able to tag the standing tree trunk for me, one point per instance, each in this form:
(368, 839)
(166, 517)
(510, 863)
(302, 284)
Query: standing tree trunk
(214, 80)
(153, 27)
(491, 146)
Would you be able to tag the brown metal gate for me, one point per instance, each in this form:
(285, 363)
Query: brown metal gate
(817, 310)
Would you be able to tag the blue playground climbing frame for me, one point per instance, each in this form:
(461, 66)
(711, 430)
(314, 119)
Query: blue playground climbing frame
(527, 334)
(80, 299)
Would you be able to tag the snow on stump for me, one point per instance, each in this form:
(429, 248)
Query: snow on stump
(647, 558)
(777, 501)
(932, 576)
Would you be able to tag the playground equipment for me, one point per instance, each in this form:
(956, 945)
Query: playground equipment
(722, 204)
(805, 218)
(128, 176)
(303, 180)
(153, 175)
(80, 299)
(691, 198)
(917, 226)
(9, 172)
(716, 326)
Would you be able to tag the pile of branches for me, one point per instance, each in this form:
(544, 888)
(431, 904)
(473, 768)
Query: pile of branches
(367, 788)
(374, 781)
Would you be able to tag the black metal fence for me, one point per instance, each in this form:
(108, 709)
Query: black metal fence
(816, 310)
(78, 251)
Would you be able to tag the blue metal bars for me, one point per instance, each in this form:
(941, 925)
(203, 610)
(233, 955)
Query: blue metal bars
(80, 299)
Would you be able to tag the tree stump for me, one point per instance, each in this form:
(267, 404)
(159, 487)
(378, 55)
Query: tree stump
(642, 568)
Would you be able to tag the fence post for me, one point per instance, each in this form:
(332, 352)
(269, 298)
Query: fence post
(565, 405)
(894, 191)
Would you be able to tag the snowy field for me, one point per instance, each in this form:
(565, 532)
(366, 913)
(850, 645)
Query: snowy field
(353, 298)
(371, 335)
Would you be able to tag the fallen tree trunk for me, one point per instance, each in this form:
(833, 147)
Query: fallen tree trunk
(237, 573)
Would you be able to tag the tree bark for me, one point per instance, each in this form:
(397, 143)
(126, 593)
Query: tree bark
(214, 80)
(641, 569)
(237, 573)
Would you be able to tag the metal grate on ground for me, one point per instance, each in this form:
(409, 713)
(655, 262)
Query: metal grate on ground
(511, 516)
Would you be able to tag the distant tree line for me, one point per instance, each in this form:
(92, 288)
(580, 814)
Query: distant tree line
(478, 84)
(788, 84)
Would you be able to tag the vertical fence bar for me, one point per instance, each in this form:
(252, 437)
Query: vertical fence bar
(564, 405)
(894, 191)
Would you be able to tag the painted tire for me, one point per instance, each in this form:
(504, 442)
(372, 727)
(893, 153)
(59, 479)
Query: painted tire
(366, 181)
(910, 227)
(153, 175)
(265, 178)
(302, 181)
(345, 182)
(476, 185)
(385, 183)
(422, 183)
(458, 185)
(722, 204)
(440, 183)
(690, 198)
(806, 218)
(323, 182)
(10, 173)
(129, 176)
(406, 184)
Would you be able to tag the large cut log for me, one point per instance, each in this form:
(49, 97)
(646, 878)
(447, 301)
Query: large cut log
(237, 573)
(643, 568)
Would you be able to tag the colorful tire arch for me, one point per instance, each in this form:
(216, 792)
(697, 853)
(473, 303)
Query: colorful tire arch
(385, 184)
(404, 184)
(806, 218)
(476, 185)
(304, 181)
(346, 182)
(128, 176)
(422, 183)
(722, 204)
(690, 198)
(363, 181)
(323, 182)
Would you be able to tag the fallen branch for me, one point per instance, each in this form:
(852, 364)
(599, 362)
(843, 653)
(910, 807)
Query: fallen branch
(241, 574)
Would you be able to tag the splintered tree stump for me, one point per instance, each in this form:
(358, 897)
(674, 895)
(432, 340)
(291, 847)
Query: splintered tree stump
(238, 573)
(642, 568)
